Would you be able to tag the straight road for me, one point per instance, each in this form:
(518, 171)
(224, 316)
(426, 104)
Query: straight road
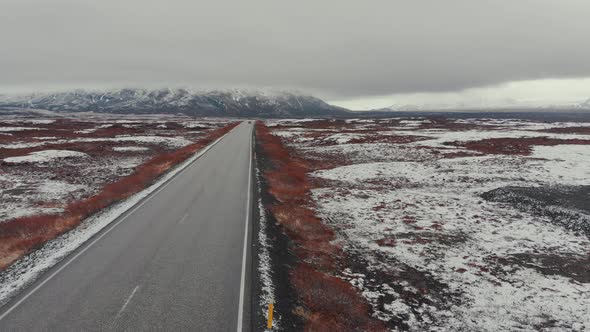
(176, 263)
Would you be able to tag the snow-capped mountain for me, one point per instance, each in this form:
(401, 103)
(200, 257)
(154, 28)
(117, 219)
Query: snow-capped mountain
(203, 103)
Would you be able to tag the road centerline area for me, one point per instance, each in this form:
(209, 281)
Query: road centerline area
(245, 248)
(127, 301)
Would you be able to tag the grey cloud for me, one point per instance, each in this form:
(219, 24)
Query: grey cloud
(334, 48)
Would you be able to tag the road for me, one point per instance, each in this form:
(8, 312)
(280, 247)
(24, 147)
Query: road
(175, 263)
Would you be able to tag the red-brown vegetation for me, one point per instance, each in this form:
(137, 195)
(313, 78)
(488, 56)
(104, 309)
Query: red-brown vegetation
(379, 207)
(318, 124)
(437, 226)
(386, 242)
(22, 235)
(330, 304)
(453, 125)
(409, 220)
(514, 146)
(101, 148)
(569, 130)
(71, 129)
(318, 128)
(458, 154)
(393, 139)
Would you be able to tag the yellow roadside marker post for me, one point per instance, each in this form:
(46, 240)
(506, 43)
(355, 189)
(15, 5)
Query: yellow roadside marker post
(269, 322)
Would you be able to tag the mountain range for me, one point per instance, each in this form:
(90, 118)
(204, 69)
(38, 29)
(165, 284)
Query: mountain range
(247, 103)
(229, 103)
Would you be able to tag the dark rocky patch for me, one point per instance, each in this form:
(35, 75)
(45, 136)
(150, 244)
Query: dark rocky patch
(567, 265)
(428, 289)
(567, 206)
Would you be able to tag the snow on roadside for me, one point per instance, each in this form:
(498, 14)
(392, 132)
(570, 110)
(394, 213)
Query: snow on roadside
(264, 262)
(26, 270)
(44, 156)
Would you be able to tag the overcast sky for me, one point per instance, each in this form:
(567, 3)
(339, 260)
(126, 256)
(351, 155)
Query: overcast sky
(350, 52)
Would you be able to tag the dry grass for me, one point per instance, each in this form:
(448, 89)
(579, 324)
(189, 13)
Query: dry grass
(568, 130)
(22, 235)
(330, 304)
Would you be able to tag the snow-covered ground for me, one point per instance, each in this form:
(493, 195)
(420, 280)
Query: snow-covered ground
(427, 251)
(174, 142)
(129, 148)
(47, 163)
(5, 129)
(44, 156)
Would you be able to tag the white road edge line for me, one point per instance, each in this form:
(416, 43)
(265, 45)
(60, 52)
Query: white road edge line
(127, 301)
(107, 230)
(244, 256)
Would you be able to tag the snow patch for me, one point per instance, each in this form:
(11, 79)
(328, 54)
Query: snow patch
(5, 129)
(44, 156)
(130, 148)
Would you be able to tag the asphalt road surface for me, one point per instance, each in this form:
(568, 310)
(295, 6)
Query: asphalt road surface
(175, 263)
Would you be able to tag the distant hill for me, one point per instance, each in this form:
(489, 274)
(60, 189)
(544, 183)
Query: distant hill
(227, 103)
(489, 107)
